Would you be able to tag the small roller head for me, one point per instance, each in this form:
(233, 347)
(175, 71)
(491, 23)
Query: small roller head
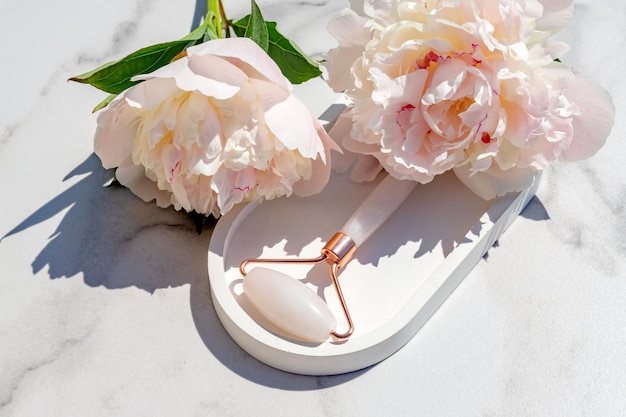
(289, 304)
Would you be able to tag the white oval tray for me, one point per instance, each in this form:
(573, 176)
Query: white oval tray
(394, 283)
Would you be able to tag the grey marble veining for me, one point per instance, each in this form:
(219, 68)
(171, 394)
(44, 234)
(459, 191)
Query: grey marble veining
(105, 302)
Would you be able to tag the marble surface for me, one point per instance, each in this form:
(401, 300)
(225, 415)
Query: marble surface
(105, 306)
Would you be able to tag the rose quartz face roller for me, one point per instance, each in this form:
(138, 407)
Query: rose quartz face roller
(294, 307)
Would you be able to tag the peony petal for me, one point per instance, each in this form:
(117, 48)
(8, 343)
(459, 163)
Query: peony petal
(269, 94)
(180, 194)
(349, 29)
(171, 70)
(211, 135)
(336, 69)
(170, 160)
(212, 76)
(115, 134)
(352, 35)
(320, 167)
(151, 93)
(245, 50)
(297, 131)
(495, 182)
(446, 81)
(202, 198)
(228, 192)
(556, 15)
(595, 121)
(217, 70)
(134, 178)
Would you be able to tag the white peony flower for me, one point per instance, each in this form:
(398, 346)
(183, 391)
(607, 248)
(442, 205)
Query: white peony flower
(212, 129)
(464, 85)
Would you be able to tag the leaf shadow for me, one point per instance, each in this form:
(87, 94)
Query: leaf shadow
(114, 240)
(200, 11)
(438, 216)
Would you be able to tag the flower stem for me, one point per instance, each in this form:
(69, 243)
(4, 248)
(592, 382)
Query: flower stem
(216, 18)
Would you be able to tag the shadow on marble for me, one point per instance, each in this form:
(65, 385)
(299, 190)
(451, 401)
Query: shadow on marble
(535, 210)
(115, 240)
(199, 13)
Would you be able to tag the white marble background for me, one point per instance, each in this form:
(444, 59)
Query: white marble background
(104, 300)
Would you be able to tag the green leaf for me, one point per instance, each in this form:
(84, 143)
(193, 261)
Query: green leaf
(295, 65)
(293, 62)
(215, 17)
(115, 77)
(202, 33)
(104, 102)
(256, 29)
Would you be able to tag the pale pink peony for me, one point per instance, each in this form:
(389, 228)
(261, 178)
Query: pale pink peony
(470, 86)
(212, 129)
